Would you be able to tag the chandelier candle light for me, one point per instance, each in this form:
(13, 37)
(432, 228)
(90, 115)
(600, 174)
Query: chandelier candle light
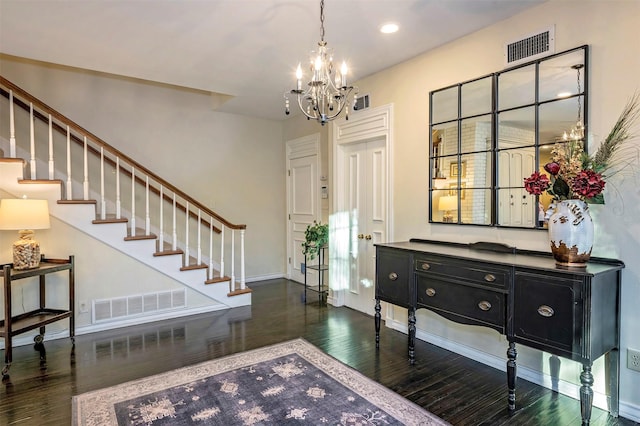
(327, 94)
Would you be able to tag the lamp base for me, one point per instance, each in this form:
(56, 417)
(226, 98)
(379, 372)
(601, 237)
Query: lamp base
(26, 251)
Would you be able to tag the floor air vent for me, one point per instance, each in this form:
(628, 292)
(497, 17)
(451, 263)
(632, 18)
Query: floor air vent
(123, 307)
(530, 47)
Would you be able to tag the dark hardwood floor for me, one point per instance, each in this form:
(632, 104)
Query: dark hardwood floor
(459, 390)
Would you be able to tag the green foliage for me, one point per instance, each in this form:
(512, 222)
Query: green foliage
(316, 236)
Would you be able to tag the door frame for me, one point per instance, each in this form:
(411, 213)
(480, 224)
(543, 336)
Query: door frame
(301, 147)
(374, 123)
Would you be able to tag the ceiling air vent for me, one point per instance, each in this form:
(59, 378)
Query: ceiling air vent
(531, 47)
(362, 102)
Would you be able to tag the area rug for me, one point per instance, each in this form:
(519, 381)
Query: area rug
(289, 383)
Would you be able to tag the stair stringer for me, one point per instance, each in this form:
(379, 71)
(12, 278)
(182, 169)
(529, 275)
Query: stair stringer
(80, 216)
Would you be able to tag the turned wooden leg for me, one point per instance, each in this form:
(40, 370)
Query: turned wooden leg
(376, 318)
(412, 336)
(511, 375)
(586, 393)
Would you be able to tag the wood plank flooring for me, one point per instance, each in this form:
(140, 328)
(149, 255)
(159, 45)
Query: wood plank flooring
(459, 390)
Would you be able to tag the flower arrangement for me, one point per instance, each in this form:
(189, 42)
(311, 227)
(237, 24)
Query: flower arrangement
(316, 236)
(575, 175)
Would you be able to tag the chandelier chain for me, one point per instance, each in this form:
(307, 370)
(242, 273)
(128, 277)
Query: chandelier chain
(322, 20)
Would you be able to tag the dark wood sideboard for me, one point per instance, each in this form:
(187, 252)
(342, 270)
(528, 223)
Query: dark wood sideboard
(569, 312)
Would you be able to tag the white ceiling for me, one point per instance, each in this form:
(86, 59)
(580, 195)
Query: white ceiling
(247, 49)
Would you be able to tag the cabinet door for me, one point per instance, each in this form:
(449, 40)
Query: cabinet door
(548, 313)
(393, 277)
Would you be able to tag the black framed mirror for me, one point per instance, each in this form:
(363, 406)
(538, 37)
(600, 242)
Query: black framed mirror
(488, 134)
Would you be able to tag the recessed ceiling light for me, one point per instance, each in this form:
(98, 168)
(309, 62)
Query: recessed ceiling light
(564, 94)
(389, 28)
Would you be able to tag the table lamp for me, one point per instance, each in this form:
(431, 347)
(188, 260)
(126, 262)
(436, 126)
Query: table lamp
(24, 215)
(447, 203)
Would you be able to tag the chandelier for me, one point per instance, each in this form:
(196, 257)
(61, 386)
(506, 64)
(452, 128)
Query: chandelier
(327, 93)
(577, 131)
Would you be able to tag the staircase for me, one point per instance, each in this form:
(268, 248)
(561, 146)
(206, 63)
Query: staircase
(117, 200)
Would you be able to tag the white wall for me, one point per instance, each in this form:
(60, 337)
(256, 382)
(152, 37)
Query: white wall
(231, 163)
(609, 28)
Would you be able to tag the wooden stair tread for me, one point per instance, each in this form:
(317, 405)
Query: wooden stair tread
(216, 280)
(239, 292)
(194, 266)
(168, 252)
(110, 218)
(12, 160)
(138, 237)
(39, 181)
(77, 202)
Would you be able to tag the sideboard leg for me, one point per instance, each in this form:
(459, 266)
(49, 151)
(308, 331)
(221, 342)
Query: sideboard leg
(412, 336)
(586, 393)
(376, 317)
(511, 375)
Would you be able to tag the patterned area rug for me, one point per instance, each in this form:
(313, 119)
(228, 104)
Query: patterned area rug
(288, 383)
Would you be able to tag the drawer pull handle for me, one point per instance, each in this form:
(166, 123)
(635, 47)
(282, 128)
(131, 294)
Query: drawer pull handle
(484, 305)
(546, 311)
(393, 276)
(431, 292)
(426, 266)
(490, 278)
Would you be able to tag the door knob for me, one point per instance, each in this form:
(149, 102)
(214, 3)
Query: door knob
(360, 236)
(368, 237)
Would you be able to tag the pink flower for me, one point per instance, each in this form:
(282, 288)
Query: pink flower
(537, 183)
(552, 168)
(587, 184)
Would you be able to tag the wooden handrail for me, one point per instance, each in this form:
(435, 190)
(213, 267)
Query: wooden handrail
(108, 148)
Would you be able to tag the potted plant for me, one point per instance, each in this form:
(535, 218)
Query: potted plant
(316, 236)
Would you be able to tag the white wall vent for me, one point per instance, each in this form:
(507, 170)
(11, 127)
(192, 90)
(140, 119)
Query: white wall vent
(530, 47)
(137, 305)
(362, 102)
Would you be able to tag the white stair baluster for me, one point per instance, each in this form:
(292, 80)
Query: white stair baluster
(12, 127)
(210, 247)
(51, 165)
(103, 208)
(147, 217)
(199, 261)
(174, 231)
(242, 278)
(118, 203)
(32, 143)
(186, 236)
(85, 184)
(161, 241)
(69, 181)
(222, 251)
(133, 201)
(232, 284)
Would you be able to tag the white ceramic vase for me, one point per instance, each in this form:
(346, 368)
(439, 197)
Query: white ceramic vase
(571, 233)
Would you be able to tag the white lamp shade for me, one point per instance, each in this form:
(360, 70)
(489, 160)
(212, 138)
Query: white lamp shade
(448, 202)
(22, 213)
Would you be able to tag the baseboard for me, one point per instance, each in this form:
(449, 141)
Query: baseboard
(626, 410)
(264, 277)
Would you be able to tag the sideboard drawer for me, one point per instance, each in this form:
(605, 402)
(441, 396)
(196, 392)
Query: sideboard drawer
(463, 302)
(476, 272)
(393, 277)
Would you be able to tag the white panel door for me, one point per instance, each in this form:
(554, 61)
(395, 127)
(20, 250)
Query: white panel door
(365, 200)
(303, 209)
